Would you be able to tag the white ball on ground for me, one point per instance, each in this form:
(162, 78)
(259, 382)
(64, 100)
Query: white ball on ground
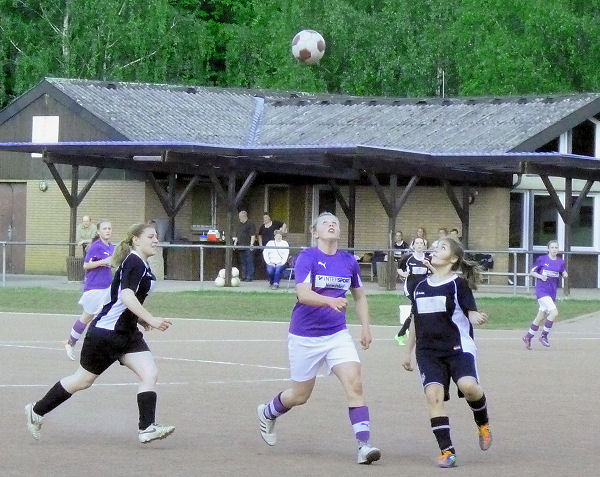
(220, 281)
(222, 273)
(235, 282)
(235, 272)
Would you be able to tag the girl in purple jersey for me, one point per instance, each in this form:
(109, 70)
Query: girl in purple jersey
(547, 270)
(318, 334)
(445, 311)
(96, 286)
(114, 336)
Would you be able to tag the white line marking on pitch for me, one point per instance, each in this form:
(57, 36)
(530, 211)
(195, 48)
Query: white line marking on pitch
(221, 362)
(93, 385)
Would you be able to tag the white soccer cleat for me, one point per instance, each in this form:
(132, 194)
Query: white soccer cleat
(266, 426)
(70, 351)
(368, 454)
(154, 432)
(34, 421)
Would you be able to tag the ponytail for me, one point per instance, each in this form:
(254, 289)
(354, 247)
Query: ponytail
(125, 246)
(470, 269)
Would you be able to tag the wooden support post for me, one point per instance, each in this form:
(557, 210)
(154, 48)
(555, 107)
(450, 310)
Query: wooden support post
(349, 208)
(73, 205)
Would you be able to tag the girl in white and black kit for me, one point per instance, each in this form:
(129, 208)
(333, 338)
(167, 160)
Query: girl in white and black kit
(444, 313)
(413, 268)
(114, 336)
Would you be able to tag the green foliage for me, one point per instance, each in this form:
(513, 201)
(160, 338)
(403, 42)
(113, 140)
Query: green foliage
(374, 47)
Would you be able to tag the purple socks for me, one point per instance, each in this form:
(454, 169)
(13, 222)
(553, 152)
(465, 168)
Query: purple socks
(359, 418)
(76, 332)
(275, 408)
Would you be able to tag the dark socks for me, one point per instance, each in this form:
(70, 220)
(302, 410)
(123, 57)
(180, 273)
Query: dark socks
(441, 430)
(53, 398)
(147, 408)
(479, 409)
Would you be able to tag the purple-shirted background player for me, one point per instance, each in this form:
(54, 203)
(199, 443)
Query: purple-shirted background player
(318, 334)
(96, 286)
(547, 270)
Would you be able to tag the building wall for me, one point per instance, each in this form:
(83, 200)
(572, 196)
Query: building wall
(121, 202)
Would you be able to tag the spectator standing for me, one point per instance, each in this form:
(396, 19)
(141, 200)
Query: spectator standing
(454, 235)
(245, 236)
(266, 232)
(85, 233)
(276, 254)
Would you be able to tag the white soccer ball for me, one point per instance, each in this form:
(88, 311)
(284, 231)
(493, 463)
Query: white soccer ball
(308, 47)
(235, 272)
(220, 281)
(222, 273)
(235, 282)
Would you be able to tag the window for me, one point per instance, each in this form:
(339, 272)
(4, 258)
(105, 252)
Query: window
(582, 229)
(203, 205)
(44, 129)
(545, 220)
(516, 221)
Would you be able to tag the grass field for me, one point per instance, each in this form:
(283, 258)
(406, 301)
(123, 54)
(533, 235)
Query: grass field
(505, 312)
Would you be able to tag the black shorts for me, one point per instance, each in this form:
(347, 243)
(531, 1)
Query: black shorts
(101, 348)
(438, 368)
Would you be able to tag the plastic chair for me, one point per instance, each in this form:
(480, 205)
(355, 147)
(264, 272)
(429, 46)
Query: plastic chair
(290, 270)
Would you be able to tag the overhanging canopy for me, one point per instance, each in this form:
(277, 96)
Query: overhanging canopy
(345, 162)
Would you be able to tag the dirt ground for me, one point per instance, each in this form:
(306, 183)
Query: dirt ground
(214, 373)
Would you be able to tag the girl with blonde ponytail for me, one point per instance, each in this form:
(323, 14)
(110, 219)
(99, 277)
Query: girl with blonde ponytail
(114, 336)
(444, 313)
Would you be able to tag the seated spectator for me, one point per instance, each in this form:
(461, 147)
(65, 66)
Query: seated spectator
(421, 235)
(442, 233)
(454, 235)
(276, 254)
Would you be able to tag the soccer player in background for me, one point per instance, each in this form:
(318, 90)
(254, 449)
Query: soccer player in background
(318, 334)
(114, 336)
(547, 270)
(96, 285)
(414, 268)
(444, 313)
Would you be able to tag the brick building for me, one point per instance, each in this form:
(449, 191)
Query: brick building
(516, 217)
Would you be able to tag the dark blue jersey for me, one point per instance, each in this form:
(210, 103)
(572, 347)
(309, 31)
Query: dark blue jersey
(134, 274)
(441, 315)
(417, 271)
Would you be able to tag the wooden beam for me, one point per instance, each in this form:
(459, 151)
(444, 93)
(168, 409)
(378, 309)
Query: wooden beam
(73, 204)
(61, 184)
(557, 203)
(244, 189)
(339, 197)
(181, 200)
(89, 185)
(160, 192)
(454, 200)
(380, 191)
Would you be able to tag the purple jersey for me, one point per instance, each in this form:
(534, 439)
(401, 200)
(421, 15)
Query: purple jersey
(552, 269)
(329, 275)
(100, 277)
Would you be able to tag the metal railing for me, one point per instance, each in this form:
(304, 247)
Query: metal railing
(512, 273)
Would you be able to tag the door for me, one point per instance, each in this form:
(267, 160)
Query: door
(12, 224)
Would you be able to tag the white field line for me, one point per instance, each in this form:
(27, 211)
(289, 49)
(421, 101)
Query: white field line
(93, 385)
